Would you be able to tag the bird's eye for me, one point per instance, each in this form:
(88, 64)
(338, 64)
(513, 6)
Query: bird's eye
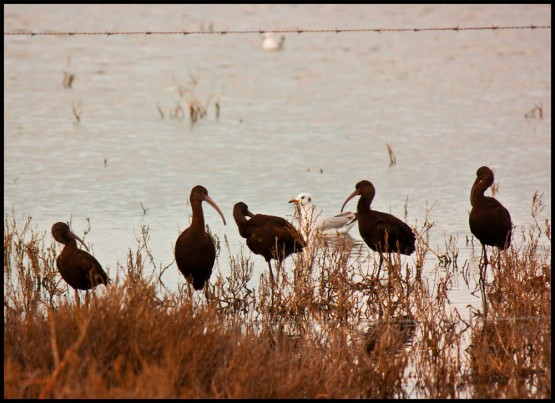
(309, 199)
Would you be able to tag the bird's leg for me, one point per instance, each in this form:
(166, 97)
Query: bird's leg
(483, 281)
(484, 300)
(485, 257)
(482, 264)
(271, 273)
(272, 284)
(380, 266)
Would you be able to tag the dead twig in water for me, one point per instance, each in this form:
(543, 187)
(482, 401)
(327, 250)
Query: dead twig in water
(68, 79)
(392, 158)
(76, 113)
(532, 113)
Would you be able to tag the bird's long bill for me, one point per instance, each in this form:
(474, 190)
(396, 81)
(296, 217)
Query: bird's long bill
(476, 183)
(293, 201)
(249, 213)
(355, 193)
(472, 192)
(71, 234)
(213, 204)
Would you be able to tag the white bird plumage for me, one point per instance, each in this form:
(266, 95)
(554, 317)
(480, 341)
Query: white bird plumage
(313, 221)
(270, 42)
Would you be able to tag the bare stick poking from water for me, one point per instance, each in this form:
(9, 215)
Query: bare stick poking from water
(76, 113)
(68, 79)
(144, 209)
(160, 110)
(196, 110)
(532, 113)
(392, 158)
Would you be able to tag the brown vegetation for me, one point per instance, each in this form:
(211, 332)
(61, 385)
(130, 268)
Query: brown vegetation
(333, 331)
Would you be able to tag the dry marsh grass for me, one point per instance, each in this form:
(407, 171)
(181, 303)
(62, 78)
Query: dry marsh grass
(194, 108)
(331, 330)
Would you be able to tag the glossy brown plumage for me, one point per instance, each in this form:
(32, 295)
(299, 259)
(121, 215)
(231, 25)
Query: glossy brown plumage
(264, 232)
(489, 221)
(77, 267)
(382, 232)
(195, 251)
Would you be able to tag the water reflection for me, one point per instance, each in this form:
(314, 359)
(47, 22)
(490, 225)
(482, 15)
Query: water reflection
(390, 336)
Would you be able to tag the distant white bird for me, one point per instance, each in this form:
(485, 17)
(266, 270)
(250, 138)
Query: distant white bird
(270, 42)
(312, 221)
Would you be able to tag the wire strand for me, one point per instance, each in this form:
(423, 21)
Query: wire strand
(279, 31)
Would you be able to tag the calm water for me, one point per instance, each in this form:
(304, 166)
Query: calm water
(314, 117)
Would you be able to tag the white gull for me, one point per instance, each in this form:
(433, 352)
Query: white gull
(328, 226)
(270, 42)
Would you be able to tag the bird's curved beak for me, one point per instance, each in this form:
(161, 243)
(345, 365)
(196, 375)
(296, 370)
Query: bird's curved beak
(213, 204)
(355, 193)
(71, 234)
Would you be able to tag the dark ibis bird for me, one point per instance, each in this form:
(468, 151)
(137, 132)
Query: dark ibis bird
(489, 221)
(195, 251)
(78, 268)
(267, 235)
(382, 232)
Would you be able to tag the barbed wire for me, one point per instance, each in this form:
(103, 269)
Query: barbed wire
(280, 31)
